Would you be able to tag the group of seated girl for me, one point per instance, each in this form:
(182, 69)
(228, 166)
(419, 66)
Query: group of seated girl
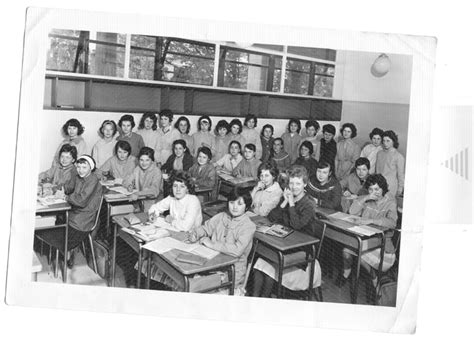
(339, 176)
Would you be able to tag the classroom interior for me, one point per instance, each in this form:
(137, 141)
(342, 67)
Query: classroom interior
(94, 76)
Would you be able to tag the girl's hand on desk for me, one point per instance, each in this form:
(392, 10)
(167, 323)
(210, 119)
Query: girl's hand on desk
(191, 237)
(168, 219)
(205, 241)
(60, 194)
(152, 216)
(347, 193)
(366, 221)
(133, 197)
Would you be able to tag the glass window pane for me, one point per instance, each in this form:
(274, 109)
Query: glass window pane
(276, 81)
(66, 32)
(61, 54)
(106, 60)
(252, 58)
(323, 86)
(298, 65)
(296, 82)
(278, 62)
(191, 49)
(323, 69)
(188, 69)
(143, 41)
(142, 64)
(253, 78)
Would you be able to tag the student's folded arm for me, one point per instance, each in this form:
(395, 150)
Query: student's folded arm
(236, 249)
(81, 199)
(192, 212)
(390, 219)
(70, 185)
(161, 206)
(357, 206)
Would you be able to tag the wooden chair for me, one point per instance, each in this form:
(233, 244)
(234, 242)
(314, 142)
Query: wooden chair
(55, 238)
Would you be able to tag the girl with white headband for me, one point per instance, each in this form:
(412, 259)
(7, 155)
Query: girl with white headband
(84, 201)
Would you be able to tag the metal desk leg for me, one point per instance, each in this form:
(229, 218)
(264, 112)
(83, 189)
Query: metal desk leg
(148, 270)
(114, 252)
(65, 248)
(382, 253)
(186, 283)
(107, 221)
(140, 264)
(232, 277)
(280, 274)
(356, 283)
(311, 271)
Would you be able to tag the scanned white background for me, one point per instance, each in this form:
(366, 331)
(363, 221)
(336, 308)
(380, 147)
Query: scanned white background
(442, 305)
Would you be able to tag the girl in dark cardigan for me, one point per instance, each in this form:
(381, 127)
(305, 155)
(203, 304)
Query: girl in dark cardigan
(180, 160)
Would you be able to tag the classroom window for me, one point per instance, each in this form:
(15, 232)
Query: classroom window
(297, 76)
(251, 71)
(142, 57)
(106, 54)
(309, 77)
(62, 50)
(188, 62)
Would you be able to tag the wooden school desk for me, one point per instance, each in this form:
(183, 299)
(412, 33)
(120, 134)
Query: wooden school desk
(294, 249)
(338, 230)
(135, 243)
(112, 199)
(63, 207)
(180, 272)
(227, 181)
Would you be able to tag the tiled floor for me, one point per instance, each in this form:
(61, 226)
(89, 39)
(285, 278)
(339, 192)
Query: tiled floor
(82, 274)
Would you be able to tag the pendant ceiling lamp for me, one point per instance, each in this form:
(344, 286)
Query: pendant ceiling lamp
(381, 66)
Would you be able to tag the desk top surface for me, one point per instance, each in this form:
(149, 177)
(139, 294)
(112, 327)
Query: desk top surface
(113, 196)
(345, 225)
(292, 241)
(64, 206)
(219, 261)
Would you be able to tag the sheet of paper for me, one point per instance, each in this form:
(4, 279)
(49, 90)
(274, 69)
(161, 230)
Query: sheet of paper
(204, 251)
(50, 201)
(160, 222)
(161, 245)
(346, 217)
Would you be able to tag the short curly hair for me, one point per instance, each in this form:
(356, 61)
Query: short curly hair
(249, 117)
(147, 151)
(352, 127)
(312, 123)
(125, 145)
(205, 150)
(265, 127)
(176, 125)
(362, 161)
(167, 113)
(204, 117)
(74, 123)
(392, 136)
(126, 117)
(308, 145)
(268, 166)
(236, 122)
(105, 123)
(152, 116)
(297, 122)
(240, 192)
(298, 171)
(378, 179)
(185, 178)
(221, 124)
(376, 131)
(236, 143)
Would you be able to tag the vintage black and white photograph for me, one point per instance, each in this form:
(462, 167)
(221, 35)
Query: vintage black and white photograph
(176, 160)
